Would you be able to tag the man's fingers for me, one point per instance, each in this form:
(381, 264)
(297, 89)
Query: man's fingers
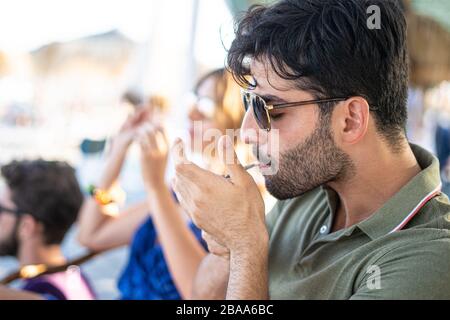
(229, 159)
(214, 247)
(178, 153)
(182, 165)
(182, 189)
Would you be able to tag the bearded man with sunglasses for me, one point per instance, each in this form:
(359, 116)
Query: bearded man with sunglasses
(360, 214)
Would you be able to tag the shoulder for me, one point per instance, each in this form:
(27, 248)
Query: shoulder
(430, 245)
(434, 215)
(417, 269)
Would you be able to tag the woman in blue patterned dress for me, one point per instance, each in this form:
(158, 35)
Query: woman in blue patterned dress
(165, 247)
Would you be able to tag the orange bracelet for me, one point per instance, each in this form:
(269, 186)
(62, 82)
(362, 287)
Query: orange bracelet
(101, 196)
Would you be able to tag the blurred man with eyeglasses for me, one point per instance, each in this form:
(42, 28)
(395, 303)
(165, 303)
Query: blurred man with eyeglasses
(39, 202)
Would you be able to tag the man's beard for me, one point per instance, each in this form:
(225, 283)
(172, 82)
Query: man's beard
(10, 246)
(315, 162)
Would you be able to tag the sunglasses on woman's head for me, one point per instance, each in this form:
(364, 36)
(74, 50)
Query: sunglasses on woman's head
(261, 109)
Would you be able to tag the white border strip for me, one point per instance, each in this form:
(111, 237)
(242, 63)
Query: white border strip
(417, 208)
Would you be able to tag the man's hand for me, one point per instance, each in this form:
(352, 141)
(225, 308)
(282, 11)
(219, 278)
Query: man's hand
(214, 247)
(231, 210)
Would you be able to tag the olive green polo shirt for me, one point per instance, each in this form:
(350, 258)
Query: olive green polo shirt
(369, 260)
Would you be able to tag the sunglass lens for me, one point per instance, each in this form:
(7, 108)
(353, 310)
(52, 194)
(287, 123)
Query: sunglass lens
(260, 112)
(245, 101)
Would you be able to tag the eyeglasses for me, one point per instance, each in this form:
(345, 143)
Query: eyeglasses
(9, 210)
(206, 106)
(261, 109)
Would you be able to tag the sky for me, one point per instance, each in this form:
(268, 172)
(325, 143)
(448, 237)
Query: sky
(28, 24)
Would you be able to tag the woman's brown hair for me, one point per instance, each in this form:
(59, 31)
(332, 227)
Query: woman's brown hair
(229, 111)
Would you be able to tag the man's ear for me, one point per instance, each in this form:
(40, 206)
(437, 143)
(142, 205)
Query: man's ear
(28, 227)
(353, 120)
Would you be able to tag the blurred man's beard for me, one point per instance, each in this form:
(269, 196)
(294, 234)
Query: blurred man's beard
(310, 164)
(10, 246)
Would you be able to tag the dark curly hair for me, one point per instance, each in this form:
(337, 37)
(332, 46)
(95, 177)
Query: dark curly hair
(325, 47)
(48, 191)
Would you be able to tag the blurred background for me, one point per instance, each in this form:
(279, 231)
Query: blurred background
(66, 65)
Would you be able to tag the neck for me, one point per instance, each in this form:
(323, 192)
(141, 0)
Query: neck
(379, 174)
(50, 255)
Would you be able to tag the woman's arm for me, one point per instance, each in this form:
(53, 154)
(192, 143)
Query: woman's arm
(97, 230)
(182, 250)
(100, 232)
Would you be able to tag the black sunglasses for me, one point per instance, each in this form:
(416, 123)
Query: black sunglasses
(261, 109)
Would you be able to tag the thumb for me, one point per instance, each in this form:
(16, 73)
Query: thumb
(229, 158)
(178, 153)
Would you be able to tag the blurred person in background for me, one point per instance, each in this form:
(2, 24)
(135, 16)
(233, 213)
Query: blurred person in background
(165, 247)
(38, 204)
(157, 106)
(442, 140)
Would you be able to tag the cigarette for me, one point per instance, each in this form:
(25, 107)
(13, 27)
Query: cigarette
(247, 167)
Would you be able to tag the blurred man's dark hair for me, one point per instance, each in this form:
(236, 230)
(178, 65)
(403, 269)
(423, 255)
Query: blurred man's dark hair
(48, 191)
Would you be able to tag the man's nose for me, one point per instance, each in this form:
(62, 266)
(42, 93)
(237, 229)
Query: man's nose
(250, 132)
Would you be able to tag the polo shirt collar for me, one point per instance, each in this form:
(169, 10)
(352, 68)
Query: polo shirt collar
(399, 209)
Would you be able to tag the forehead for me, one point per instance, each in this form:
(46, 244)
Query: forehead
(270, 85)
(266, 78)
